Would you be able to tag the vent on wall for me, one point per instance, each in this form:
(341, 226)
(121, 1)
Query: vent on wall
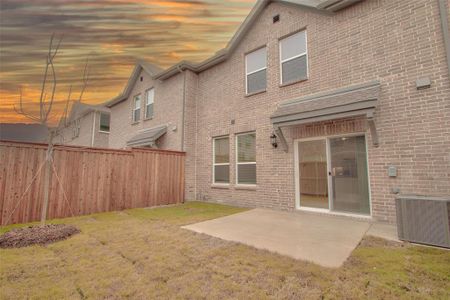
(276, 18)
(423, 220)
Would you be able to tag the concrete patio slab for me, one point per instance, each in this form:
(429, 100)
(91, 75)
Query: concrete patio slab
(322, 239)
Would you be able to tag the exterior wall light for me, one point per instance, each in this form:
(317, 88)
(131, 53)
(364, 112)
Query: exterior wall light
(273, 140)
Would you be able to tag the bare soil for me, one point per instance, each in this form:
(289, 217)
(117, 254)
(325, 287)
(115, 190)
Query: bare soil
(41, 235)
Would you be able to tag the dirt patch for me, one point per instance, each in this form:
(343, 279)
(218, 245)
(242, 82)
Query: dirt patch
(41, 235)
(371, 241)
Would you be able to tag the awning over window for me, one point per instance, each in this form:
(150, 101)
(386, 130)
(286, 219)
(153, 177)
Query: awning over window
(147, 137)
(351, 101)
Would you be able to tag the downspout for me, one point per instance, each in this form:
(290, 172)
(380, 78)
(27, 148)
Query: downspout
(196, 140)
(184, 108)
(93, 128)
(443, 10)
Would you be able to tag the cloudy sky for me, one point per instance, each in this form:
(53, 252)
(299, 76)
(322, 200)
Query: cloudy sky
(113, 33)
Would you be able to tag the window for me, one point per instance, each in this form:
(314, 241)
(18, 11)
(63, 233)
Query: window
(76, 129)
(255, 71)
(137, 108)
(221, 164)
(104, 122)
(149, 103)
(294, 58)
(246, 158)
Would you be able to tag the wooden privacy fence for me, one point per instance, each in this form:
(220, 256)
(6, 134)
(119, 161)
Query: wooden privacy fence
(92, 180)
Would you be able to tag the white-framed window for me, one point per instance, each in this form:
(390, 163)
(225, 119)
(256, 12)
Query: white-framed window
(246, 158)
(137, 108)
(256, 71)
(294, 58)
(149, 99)
(105, 119)
(221, 160)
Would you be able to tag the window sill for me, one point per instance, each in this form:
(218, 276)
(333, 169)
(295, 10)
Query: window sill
(220, 186)
(135, 123)
(101, 131)
(293, 82)
(249, 187)
(255, 93)
(148, 119)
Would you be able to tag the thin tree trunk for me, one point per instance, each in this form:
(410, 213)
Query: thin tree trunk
(48, 175)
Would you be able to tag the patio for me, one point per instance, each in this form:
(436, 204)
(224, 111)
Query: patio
(323, 239)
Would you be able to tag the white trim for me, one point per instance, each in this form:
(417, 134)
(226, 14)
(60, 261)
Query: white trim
(294, 57)
(220, 164)
(330, 194)
(243, 163)
(253, 72)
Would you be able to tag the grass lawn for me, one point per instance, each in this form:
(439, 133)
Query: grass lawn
(144, 254)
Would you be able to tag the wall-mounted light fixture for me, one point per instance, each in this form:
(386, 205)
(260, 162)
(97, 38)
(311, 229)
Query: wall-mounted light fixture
(273, 140)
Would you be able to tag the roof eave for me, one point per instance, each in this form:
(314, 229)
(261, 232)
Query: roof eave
(325, 7)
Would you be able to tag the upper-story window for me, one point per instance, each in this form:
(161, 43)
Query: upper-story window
(104, 122)
(137, 108)
(255, 71)
(246, 158)
(150, 95)
(221, 160)
(294, 58)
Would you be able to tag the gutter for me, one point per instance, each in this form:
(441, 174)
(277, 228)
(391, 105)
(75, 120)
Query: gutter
(443, 10)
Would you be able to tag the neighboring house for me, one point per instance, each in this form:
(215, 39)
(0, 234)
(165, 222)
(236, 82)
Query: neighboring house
(149, 113)
(87, 125)
(331, 106)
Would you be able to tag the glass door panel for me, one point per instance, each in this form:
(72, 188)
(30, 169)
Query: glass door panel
(313, 179)
(349, 179)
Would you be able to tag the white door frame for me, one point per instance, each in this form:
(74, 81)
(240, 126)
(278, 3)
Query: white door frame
(330, 191)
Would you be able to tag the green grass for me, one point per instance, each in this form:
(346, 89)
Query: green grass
(144, 254)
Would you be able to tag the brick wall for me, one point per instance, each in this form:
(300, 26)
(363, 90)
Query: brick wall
(168, 107)
(395, 42)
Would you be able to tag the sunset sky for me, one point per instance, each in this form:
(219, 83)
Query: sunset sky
(113, 33)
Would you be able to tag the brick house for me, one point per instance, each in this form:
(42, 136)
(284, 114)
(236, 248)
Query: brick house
(87, 125)
(328, 106)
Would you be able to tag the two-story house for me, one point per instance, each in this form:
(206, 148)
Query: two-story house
(86, 125)
(331, 106)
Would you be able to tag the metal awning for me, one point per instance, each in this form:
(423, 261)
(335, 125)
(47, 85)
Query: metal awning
(351, 101)
(147, 137)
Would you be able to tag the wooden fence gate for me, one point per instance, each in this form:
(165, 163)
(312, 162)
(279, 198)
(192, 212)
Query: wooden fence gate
(87, 180)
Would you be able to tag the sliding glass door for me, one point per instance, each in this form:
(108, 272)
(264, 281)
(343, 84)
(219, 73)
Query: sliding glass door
(313, 181)
(332, 174)
(349, 179)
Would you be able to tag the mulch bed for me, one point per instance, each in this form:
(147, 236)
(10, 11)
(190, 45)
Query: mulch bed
(40, 235)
